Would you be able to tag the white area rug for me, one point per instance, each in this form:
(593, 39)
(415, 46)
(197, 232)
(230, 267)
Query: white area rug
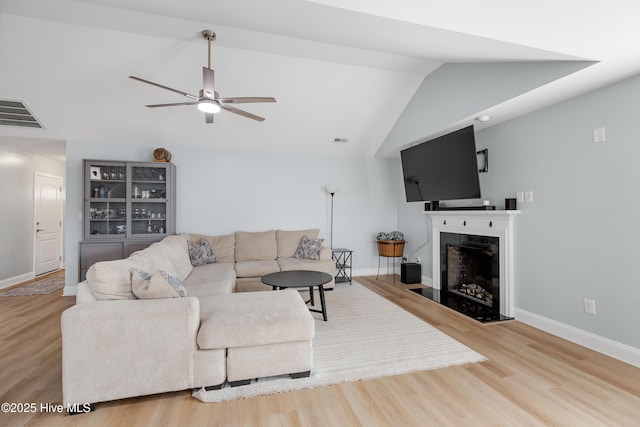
(365, 337)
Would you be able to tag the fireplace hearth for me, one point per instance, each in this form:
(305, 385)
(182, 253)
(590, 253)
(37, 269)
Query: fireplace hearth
(468, 307)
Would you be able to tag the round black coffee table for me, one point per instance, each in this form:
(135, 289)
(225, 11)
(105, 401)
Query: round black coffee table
(301, 279)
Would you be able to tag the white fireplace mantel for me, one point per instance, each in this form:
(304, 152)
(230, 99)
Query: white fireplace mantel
(480, 223)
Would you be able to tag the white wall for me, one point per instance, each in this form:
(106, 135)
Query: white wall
(220, 192)
(579, 239)
(17, 175)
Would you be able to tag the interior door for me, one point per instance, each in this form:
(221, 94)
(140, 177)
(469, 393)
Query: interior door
(48, 223)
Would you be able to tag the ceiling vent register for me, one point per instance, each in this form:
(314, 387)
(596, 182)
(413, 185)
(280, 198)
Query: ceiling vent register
(16, 113)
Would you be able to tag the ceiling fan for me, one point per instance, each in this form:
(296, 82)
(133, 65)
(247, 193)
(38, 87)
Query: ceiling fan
(208, 100)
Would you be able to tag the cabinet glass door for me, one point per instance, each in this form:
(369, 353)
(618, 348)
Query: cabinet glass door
(106, 198)
(148, 200)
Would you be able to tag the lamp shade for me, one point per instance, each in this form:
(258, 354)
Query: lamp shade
(331, 189)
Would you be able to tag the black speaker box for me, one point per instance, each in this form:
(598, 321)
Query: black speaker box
(410, 272)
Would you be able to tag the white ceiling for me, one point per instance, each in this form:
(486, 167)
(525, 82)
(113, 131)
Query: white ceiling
(338, 68)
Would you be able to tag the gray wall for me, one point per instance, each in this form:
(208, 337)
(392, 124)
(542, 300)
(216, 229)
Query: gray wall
(456, 92)
(222, 192)
(17, 175)
(579, 239)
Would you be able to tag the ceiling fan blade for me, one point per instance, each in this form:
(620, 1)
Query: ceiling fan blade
(208, 87)
(208, 117)
(246, 100)
(242, 113)
(175, 104)
(164, 87)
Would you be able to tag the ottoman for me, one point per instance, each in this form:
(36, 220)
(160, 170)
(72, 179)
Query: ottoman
(265, 333)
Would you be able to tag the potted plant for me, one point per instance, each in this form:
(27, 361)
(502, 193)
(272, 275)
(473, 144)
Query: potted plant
(390, 244)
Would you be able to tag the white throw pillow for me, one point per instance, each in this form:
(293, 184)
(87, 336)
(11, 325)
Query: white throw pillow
(157, 285)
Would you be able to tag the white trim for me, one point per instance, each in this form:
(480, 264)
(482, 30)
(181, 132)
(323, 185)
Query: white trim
(623, 352)
(16, 279)
(70, 290)
(364, 272)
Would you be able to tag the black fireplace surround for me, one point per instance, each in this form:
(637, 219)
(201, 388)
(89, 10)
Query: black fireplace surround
(469, 276)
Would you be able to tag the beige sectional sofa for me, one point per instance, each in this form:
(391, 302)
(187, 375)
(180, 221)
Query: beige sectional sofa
(117, 345)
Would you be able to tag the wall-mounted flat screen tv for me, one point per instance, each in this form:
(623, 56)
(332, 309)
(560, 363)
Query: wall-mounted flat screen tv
(444, 168)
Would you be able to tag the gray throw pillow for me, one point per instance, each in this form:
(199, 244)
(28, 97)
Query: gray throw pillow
(308, 248)
(201, 253)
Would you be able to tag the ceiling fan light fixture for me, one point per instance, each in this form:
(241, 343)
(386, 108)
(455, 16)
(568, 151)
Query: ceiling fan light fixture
(209, 106)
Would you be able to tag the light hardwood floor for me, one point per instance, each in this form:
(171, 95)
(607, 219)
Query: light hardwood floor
(530, 378)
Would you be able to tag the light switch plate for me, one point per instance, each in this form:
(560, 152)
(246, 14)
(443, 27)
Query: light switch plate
(528, 197)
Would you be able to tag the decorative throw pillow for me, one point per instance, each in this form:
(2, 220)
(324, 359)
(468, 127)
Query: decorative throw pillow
(201, 253)
(308, 248)
(160, 284)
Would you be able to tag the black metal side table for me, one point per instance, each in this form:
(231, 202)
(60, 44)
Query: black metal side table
(343, 260)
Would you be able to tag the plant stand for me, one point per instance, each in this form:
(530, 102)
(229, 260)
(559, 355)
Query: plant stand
(390, 249)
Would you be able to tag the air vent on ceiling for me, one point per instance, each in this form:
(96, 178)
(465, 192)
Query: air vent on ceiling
(16, 113)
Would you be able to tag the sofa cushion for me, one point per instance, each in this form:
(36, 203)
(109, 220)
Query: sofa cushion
(200, 253)
(256, 246)
(109, 280)
(288, 240)
(212, 279)
(223, 247)
(159, 284)
(308, 248)
(256, 268)
(254, 318)
(324, 265)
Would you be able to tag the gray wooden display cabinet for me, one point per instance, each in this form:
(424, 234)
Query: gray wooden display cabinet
(127, 206)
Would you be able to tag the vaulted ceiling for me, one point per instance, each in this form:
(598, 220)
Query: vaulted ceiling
(339, 69)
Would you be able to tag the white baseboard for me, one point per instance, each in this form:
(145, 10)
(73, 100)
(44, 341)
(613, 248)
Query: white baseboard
(16, 279)
(70, 290)
(365, 272)
(623, 352)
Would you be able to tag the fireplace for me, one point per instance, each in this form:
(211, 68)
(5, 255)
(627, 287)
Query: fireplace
(470, 267)
(469, 274)
(473, 263)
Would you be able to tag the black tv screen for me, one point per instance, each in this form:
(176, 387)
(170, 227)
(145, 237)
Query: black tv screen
(444, 168)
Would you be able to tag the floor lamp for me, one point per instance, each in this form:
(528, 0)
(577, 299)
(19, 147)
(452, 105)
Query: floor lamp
(331, 189)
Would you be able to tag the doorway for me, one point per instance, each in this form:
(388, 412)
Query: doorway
(48, 223)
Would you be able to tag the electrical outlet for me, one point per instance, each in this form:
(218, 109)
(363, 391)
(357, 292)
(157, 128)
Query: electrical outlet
(520, 196)
(589, 306)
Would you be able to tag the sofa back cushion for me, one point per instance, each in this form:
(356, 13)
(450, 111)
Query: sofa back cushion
(223, 247)
(288, 240)
(256, 246)
(110, 280)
